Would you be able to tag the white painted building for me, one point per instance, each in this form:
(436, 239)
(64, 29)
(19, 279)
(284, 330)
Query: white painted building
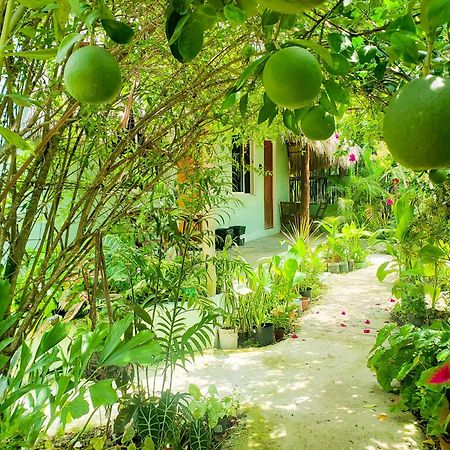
(259, 194)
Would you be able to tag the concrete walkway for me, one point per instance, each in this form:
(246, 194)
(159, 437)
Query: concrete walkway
(315, 392)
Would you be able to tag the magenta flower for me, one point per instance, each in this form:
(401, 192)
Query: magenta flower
(343, 325)
(352, 157)
(343, 313)
(294, 336)
(367, 322)
(337, 135)
(441, 376)
(392, 300)
(389, 201)
(366, 331)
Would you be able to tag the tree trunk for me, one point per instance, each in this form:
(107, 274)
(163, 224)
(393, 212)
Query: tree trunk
(304, 184)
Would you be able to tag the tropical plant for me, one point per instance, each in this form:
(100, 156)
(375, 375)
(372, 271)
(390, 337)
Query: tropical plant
(403, 358)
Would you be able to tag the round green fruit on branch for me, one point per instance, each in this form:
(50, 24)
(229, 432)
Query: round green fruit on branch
(437, 176)
(290, 6)
(417, 124)
(92, 75)
(318, 125)
(292, 77)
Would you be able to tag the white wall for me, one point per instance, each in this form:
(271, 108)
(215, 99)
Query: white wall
(251, 211)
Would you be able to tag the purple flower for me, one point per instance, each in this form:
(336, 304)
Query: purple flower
(352, 157)
(389, 201)
(366, 331)
(337, 135)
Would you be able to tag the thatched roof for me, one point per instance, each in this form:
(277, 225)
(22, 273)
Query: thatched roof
(323, 153)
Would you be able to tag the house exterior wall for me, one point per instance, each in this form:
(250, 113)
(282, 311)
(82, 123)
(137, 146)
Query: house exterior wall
(250, 212)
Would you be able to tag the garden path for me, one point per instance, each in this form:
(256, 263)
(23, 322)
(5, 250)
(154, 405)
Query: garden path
(314, 392)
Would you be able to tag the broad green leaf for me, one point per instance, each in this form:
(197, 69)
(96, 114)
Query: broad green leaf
(234, 14)
(195, 392)
(243, 104)
(98, 442)
(79, 407)
(323, 52)
(143, 348)
(339, 65)
(174, 31)
(119, 32)
(229, 101)
(51, 338)
(403, 24)
(433, 14)
(267, 112)
(405, 47)
(190, 41)
(115, 333)
(431, 251)
(66, 44)
(337, 92)
(102, 393)
(14, 139)
(148, 444)
(290, 121)
(207, 15)
(251, 69)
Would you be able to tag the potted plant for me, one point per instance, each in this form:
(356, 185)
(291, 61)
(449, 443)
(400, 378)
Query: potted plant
(282, 317)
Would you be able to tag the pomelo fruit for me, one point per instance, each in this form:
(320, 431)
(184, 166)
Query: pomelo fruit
(437, 176)
(318, 125)
(292, 77)
(290, 6)
(92, 75)
(417, 124)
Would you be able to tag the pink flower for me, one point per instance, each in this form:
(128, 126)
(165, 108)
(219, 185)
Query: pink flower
(337, 135)
(366, 331)
(367, 322)
(389, 201)
(343, 325)
(392, 300)
(294, 336)
(352, 157)
(441, 376)
(343, 313)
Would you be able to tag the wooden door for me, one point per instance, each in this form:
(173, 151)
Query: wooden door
(268, 184)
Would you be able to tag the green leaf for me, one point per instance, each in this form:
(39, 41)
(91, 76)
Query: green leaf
(403, 24)
(79, 407)
(45, 53)
(339, 65)
(228, 101)
(251, 69)
(115, 333)
(434, 13)
(207, 15)
(195, 392)
(383, 271)
(338, 93)
(267, 112)
(14, 139)
(51, 338)
(143, 348)
(243, 104)
(234, 14)
(190, 41)
(4, 298)
(174, 26)
(323, 52)
(431, 251)
(119, 32)
(290, 121)
(35, 4)
(22, 100)
(66, 44)
(148, 444)
(405, 47)
(102, 393)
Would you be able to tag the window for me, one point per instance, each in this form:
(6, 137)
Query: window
(241, 173)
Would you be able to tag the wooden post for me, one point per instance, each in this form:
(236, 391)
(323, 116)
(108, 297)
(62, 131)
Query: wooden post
(304, 183)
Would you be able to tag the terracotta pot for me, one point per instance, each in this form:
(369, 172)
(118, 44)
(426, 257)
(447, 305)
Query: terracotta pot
(305, 303)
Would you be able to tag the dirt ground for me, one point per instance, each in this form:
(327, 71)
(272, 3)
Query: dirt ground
(314, 392)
